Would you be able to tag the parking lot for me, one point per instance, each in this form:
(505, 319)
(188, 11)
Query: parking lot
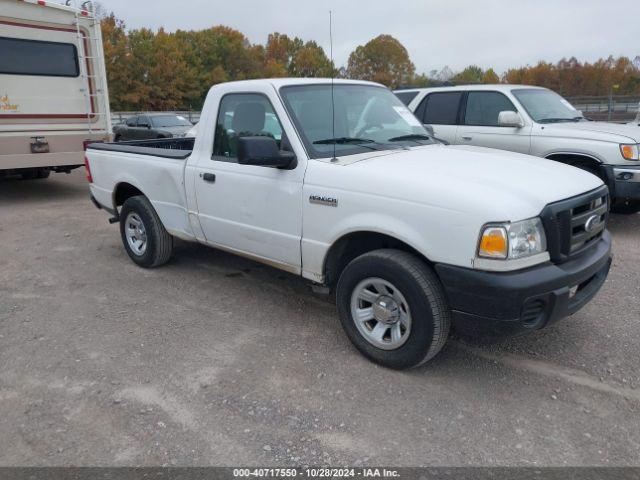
(215, 359)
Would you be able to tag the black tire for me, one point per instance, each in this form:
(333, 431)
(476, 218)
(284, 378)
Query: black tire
(159, 243)
(626, 207)
(430, 314)
(43, 173)
(117, 138)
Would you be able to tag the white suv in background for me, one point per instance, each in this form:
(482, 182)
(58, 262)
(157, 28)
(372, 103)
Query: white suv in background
(535, 121)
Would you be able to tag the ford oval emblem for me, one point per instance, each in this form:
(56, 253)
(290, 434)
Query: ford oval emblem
(592, 223)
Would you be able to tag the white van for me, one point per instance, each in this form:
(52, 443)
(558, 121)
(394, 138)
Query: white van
(53, 88)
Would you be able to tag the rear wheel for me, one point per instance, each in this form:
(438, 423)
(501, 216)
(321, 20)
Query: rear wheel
(393, 308)
(143, 235)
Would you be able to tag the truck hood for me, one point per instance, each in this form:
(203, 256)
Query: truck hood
(502, 185)
(608, 132)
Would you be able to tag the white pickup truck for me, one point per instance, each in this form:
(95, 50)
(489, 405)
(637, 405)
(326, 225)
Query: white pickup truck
(538, 122)
(411, 234)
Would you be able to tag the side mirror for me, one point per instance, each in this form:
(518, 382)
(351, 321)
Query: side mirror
(509, 118)
(263, 152)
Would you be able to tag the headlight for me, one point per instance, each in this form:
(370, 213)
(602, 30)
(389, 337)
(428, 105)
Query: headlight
(512, 240)
(629, 152)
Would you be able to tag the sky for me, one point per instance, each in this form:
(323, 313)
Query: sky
(456, 33)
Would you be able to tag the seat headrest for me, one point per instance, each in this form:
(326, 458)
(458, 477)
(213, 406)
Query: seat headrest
(249, 117)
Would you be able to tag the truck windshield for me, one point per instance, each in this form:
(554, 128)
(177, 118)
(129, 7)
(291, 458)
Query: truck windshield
(367, 117)
(170, 121)
(545, 106)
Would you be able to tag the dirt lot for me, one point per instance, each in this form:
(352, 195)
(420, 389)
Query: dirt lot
(216, 360)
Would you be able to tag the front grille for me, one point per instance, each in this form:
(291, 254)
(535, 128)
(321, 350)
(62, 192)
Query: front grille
(587, 223)
(574, 225)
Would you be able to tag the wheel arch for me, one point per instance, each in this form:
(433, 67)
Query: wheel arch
(123, 191)
(573, 156)
(585, 161)
(356, 243)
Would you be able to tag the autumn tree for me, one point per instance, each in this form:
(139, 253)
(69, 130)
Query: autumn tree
(383, 59)
(282, 49)
(490, 76)
(471, 74)
(572, 78)
(295, 57)
(311, 61)
(117, 61)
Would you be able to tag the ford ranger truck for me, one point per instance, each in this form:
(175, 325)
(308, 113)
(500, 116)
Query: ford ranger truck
(413, 235)
(538, 122)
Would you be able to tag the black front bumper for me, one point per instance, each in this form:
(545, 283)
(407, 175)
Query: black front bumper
(511, 302)
(623, 181)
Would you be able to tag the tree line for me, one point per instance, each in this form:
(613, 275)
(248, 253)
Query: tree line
(160, 70)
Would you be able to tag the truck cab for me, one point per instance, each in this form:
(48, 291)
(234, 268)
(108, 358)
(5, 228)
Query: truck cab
(534, 121)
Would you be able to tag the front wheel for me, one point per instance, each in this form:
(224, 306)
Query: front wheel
(144, 237)
(393, 308)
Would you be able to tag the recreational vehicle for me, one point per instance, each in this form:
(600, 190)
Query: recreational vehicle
(53, 88)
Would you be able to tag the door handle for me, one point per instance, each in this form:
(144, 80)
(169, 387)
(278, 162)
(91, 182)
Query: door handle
(468, 139)
(208, 177)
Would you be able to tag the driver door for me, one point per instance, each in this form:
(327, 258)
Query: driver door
(479, 125)
(250, 209)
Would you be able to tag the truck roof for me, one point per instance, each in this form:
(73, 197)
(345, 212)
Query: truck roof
(281, 82)
(500, 87)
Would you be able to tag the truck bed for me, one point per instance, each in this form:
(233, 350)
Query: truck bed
(175, 148)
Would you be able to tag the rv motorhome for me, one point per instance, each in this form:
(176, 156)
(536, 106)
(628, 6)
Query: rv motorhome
(53, 87)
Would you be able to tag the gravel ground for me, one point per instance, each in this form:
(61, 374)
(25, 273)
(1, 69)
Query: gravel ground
(216, 360)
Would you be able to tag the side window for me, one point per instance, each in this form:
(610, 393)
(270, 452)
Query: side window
(132, 122)
(406, 97)
(243, 115)
(483, 108)
(144, 122)
(441, 108)
(35, 57)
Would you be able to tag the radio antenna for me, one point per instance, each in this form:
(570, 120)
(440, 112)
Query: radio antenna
(333, 104)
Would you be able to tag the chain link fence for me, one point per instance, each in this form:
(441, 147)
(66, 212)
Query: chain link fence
(621, 108)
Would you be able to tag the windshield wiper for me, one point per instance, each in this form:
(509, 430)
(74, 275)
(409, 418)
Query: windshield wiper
(416, 137)
(360, 142)
(556, 120)
(343, 141)
(411, 136)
